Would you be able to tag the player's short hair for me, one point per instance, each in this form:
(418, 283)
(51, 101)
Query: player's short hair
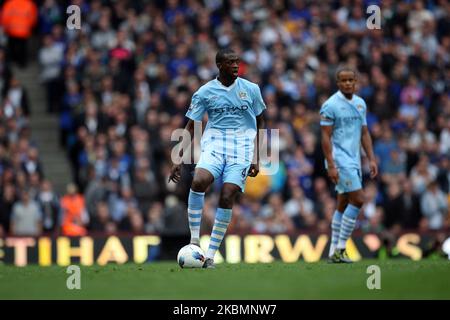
(220, 56)
(344, 68)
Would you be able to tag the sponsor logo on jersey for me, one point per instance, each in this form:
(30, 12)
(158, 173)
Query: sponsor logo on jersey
(230, 109)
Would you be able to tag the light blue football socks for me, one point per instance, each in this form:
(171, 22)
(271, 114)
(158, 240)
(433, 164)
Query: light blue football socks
(335, 229)
(195, 208)
(347, 225)
(221, 222)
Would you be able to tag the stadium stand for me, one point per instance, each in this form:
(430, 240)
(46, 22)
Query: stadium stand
(122, 84)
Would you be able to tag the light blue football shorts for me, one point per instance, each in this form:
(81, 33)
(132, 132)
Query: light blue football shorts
(232, 168)
(350, 179)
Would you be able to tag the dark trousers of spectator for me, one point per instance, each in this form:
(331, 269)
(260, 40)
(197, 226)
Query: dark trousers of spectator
(18, 51)
(53, 88)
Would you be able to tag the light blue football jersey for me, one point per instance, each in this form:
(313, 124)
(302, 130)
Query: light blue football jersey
(231, 113)
(347, 118)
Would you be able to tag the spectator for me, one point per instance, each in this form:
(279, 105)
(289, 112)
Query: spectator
(31, 163)
(119, 205)
(96, 191)
(104, 36)
(249, 216)
(174, 213)
(443, 177)
(384, 146)
(395, 168)
(50, 58)
(93, 121)
(369, 209)
(422, 139)
(49, 14)
(16, 97)
(434, 205)
(5, 73)
(101, 219)
(444, 140)
(50, 207)
(6, 206)
(409, 110)
(300, 209)
(275, 218)
(155, 219)
(145, 188)
(422, 174)
(18, 18)
(375, 222)
(26, 217)
(301, 168)
(133, 221)
(410, 206)
(74, 214)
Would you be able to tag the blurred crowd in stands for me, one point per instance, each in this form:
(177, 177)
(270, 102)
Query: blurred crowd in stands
(122, 84)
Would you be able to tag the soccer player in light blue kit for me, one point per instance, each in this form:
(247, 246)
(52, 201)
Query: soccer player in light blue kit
(344, 129)
(235, 115)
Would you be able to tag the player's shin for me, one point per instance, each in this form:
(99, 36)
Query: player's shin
(195, 207)
(221, 222)
(335, 229)
(347, 225)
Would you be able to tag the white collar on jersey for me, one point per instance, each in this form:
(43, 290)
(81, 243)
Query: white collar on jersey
(225, 87)
(341, 95)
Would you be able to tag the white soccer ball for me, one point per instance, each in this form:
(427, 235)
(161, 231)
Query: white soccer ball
(191, 256)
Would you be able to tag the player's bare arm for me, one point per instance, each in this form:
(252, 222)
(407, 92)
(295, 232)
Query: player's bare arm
(254, 167)
(175, 172)
(366, 142)
(327, 132)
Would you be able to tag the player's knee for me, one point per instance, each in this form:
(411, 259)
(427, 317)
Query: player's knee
(358, 203)
(199, 184)
(341, 206)
(227, 197)
(357, 199)
(226, 200)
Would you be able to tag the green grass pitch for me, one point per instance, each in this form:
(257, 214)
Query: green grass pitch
(400, 279)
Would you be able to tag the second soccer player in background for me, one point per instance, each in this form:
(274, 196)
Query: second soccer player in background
(344, 129)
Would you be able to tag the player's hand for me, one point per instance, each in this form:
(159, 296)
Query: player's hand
(254, 170)
(175, 173)
(373, 169)
(333, 174)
